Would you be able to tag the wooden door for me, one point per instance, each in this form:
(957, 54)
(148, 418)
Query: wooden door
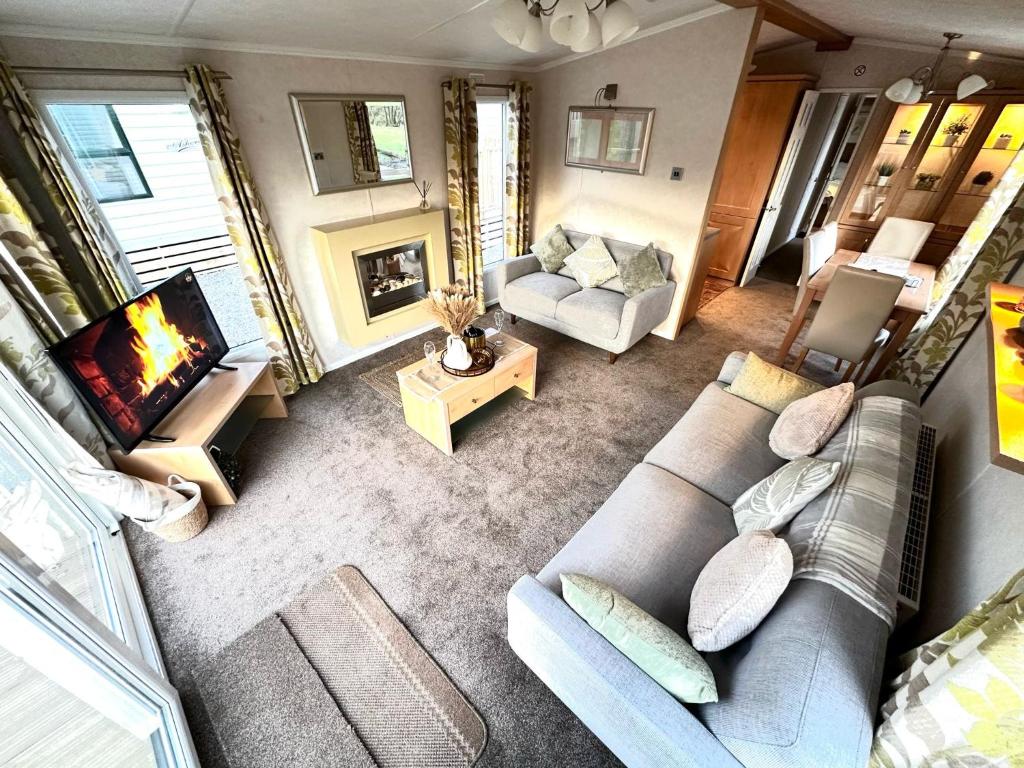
(756, 137)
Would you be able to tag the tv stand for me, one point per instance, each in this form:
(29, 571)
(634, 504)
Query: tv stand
(222, 408)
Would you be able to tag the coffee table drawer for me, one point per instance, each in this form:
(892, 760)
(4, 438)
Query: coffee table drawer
(515, 375)
(470, 401)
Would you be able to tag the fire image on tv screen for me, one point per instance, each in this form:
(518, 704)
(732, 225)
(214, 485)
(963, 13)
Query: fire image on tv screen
(134, 364)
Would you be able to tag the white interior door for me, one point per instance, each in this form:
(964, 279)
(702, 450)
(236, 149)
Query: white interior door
(770, 215)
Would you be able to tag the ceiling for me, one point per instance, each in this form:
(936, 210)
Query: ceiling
(444, 30)
(459, 32)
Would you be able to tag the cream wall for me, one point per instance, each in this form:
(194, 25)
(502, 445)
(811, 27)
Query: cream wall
(257, 95)
(883, 64)
(690, 75)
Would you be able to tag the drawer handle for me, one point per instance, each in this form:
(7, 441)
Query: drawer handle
(475, 401)
(515, 375)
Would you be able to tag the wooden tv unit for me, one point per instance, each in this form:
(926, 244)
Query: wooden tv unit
(221, 409)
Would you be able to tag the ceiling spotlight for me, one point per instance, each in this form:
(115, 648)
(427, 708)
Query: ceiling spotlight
(619, 22)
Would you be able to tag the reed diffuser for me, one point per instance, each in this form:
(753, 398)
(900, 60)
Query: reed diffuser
(423, 188)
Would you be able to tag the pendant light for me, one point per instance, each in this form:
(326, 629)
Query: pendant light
(569, 22)
(533, 38)
(510, 21)
(592, 39)
(619, 22)
(922, 82)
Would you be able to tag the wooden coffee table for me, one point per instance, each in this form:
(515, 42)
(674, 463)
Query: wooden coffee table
(434, 400)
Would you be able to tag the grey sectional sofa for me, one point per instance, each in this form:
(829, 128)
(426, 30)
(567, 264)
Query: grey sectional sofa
(600, 316)
(801, 690)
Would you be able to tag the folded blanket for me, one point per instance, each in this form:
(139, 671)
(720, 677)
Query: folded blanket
(852, 536)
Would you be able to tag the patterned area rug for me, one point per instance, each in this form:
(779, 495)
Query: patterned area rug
(334, 678)
(384, 378)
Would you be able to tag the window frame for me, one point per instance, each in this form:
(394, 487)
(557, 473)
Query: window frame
(499, 98)
(125, 150)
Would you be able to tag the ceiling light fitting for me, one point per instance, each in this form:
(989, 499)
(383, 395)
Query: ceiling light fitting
(573, 23)
(922, 82)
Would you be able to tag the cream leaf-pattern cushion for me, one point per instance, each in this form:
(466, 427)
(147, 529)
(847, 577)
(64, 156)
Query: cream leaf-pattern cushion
(657, 650)
(804, 426)
(552, 249)
(592, 265)
(774, 501)
(737, 588)
(769, 386)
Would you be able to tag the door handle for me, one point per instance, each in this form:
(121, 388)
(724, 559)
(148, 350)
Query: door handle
(771, 208)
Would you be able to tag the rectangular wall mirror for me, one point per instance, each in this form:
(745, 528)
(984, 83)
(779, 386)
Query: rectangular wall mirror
(353, 142)
(609, 138)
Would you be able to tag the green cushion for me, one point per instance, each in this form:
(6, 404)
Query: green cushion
(552, 249)
(640, 271)
(656, 649)
(769, 386)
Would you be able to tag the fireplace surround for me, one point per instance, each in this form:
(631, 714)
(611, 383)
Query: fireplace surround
(376, 271)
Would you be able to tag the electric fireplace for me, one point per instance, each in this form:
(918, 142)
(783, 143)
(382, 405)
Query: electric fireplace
(391, 278)
(134, 364)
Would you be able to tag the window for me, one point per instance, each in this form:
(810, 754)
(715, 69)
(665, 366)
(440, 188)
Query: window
(492, 122)
(178, 222)
(97, 141)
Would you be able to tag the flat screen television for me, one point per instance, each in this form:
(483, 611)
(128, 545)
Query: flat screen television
(134, 364)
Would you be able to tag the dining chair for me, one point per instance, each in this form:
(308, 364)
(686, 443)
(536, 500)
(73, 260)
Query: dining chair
(849, 323)
(818, 248)
(900, 238)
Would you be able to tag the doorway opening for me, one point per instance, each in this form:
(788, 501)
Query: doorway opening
(492, 122)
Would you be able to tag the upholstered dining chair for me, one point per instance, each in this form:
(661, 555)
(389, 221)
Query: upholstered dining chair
(900, 238)
(818, 248)
(849, 323)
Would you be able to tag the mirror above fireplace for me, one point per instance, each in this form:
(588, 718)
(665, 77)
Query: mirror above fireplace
(352, 141)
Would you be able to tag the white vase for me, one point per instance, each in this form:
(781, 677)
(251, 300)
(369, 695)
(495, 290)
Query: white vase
(456, 355)
(883, 181)
(949, 140)
(1002, 142)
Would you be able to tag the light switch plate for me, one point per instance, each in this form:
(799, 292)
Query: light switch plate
(677, 174)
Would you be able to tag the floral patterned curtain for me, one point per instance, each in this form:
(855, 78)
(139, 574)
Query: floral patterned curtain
(111, 278)
(461, 137)
(989, 251)
(517, 172)
(32, 275)
(365, 164)
(292, 355)
(959, 701)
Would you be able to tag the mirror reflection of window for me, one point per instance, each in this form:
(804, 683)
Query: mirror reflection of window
(353, 143)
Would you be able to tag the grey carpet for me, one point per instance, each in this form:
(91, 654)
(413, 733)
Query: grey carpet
(343, 480)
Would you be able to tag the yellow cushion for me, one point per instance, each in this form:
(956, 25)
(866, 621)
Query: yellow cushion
(769, 386)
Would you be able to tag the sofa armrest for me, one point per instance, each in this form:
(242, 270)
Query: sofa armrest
(731, 367)
(514, 268)
(634, 716)
(642, 313)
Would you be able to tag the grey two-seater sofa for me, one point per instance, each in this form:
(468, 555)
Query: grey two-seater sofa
(601, 316)
(799, 692)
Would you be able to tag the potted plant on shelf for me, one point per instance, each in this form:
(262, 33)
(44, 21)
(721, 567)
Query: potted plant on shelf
(904, 137)
(885, 170)
(1003, 141)
(926, 181)
(981, 180)
(955, 130)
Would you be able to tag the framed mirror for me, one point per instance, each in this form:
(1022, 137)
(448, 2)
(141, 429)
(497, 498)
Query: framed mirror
(353, 142)
(609, 138)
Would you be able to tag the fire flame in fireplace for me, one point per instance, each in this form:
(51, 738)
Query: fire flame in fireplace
(161, 347)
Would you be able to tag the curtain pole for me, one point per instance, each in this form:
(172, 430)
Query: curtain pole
(112, 72)
(504, 87)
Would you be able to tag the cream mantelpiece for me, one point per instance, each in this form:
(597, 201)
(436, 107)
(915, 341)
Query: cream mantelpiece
(338, 246)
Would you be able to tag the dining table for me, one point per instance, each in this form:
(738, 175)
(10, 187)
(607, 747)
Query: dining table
(910, 305)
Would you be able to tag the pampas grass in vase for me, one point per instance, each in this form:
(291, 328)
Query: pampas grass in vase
(453, 306)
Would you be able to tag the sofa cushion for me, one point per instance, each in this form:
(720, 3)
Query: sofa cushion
(649, 540)
(802, 688)
(552, 249)
(670, 661)
(592, 265)
(737, 589)
(720, 445)
(615, 284)
(640, 271)
(806, 425)
(595, 309)
(769, 385)
(777, 499)
(539, 292)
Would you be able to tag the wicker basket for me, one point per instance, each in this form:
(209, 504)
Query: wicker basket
(191, 518)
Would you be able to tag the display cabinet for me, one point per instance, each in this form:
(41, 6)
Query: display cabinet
(934, 161)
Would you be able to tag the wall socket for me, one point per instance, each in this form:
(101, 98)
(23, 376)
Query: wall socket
(677, 174)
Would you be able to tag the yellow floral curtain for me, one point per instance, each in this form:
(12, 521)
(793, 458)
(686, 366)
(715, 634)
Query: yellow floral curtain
(959, 701)
(989, 251)
(361, 146)
(111, 280)
(293, 356)
(461, 137)
(517, 171)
